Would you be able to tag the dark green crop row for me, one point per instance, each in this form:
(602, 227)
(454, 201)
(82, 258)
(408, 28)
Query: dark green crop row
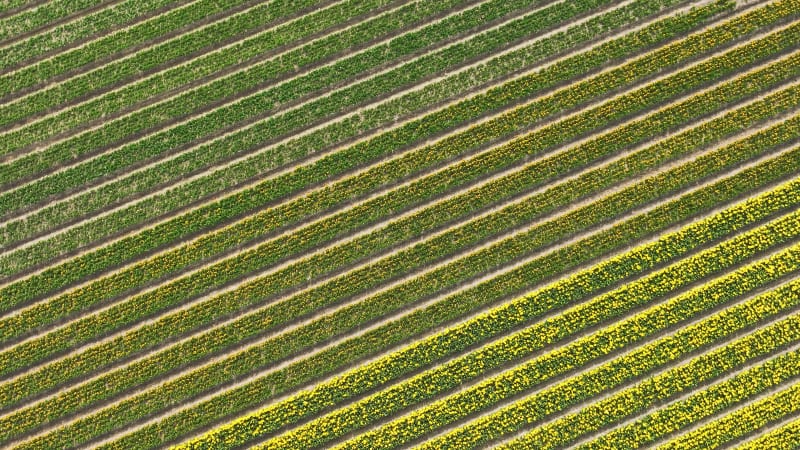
(349, 318)
(492, 323)
(263, 162)
(259, 46)
(71, 368)
(250, 229)
(451, 308)
(605, 342)
(258, 105)
(73, 32)
(741, 422)
(30, 20)
(7, 5)
(107, 46)
(679, 415)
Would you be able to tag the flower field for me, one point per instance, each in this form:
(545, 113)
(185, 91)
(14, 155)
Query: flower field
(379, 224)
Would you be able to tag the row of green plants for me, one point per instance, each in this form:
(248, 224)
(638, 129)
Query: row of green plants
(353, 317)
(265, 222)
(638, 363)
(145, 32)
(73, 32)
(254, 198)
(661, 388)
(592, 183)
(7, 6)
(251, 49)
(615, 304)
(259, 105)
(785, 437)
(452, 307)
(262, 162)
(30, 20)
(741, 422)
(512, 314)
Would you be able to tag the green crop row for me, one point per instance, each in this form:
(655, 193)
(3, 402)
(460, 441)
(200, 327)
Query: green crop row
(265, 192)
(7, 5)
(71, 368)
(30, 20)
(615, 304)
(660, 388)
(75, 31)
(740, 422)
(263, 162)
(169, 22)
(258, 47)
(786, 437)
(259, 104)
(452, 307)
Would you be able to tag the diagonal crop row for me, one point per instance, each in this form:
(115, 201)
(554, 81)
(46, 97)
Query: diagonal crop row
(740, 422)
(453, 307)
(661, 388)
(251, 59)
(139, 35)
(74, 32)
(549, 201)
(786, 437)
(257, 106)
(229, 177)
(28, 21)
(241, 202)
(647, 358)
(419, 255)
(327, 198)
(612, 305)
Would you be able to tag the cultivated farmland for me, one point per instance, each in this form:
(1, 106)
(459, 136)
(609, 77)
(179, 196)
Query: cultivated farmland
(379, 224)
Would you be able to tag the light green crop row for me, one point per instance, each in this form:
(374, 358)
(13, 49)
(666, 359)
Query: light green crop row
(144, 32)
(450, 308)
(786, 437)
(265, 192)
(251, 49)
(661, 388)
(73, 32)
(263, 162)
(71, 368)
(48, 12)
(260, 104)
(614, 304)
(740, 422)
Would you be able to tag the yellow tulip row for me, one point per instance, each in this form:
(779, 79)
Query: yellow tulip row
(740, 422)
(673, 382)
(785, 437)
(602, 343)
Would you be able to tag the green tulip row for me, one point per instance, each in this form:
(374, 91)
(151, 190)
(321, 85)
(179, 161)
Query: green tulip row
(258, 46)
(30, 20)
(227, 178)
(661, 388)
(266, 222)
(256, 106)
(785, 437)
(170, 22)
(8, 5)
(455, 306)
(740, 422)
(75, 367)
(73, 32)
(614, 304)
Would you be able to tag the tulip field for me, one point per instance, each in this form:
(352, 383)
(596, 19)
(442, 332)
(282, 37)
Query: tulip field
(384, 224)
